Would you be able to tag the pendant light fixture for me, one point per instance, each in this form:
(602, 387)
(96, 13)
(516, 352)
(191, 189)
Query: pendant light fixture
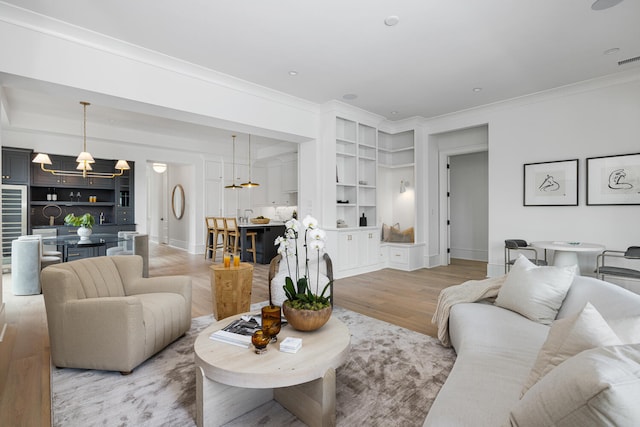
(250, 184)
(233, 185)
(84, 159)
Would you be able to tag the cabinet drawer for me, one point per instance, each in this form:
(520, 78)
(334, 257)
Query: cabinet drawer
(399, 255)
(79, 253)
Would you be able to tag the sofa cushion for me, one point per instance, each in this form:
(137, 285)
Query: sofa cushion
(611, 301)
(627, 329)
(164, 319)
(568, 337)
(496, 349)
(596, 387)
(535, 292)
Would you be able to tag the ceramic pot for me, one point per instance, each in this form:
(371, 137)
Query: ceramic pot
(306, 320)
(84, 233)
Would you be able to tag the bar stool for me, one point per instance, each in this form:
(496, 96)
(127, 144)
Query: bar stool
(234, 232)
(215, 230)
(252, 249)
(209, 241)
(231, 228)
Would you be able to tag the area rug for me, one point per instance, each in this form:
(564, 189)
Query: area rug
(391, 377)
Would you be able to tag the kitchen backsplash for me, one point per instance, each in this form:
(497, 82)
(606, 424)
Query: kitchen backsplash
(278, 213)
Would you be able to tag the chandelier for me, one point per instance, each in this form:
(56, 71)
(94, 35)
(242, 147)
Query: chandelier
(84, 159)
(250, 184)
(233, 186)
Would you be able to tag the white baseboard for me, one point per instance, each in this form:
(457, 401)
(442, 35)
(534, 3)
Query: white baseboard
(470, 254)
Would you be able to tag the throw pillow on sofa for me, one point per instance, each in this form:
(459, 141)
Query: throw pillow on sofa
(598, 387)
(568, 337)
(535, 292)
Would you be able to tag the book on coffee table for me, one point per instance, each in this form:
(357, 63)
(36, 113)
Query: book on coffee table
(238, 332)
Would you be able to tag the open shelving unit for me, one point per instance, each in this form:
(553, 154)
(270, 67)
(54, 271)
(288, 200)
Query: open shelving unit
(397, 150)
(356, 172)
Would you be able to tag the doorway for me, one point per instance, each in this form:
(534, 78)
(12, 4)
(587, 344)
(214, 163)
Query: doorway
(157, 205)
(469, 206)
(449, 145)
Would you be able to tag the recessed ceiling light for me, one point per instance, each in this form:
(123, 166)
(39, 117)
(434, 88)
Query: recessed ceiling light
(604, 4)
(612, 51)
(394, 112)
(477, 89)
(391, 20)
(349, 96)
(293, 73)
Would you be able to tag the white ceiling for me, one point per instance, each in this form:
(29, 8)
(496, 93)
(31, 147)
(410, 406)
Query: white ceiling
(426, 65)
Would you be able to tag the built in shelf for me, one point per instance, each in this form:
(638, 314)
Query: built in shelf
(67, 203)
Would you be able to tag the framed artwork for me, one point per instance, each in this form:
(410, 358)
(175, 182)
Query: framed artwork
(551, 183)
(613, 180)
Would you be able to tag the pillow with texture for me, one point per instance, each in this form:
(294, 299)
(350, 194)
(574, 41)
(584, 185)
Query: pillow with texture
(598, 387)
(568, 337)
(535, 292)
(386, 231)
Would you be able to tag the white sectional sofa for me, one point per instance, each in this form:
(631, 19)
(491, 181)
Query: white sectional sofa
(498, 347)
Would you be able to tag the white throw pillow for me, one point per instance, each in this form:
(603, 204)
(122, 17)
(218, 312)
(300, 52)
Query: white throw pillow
(598, 387)
(568, 337)
(535, 292)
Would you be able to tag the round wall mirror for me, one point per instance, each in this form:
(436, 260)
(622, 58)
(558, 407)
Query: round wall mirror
(177, 201)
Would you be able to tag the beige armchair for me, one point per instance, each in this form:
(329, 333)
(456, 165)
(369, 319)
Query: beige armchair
(103, 314)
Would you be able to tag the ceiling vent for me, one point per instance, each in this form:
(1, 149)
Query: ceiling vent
(629, 60)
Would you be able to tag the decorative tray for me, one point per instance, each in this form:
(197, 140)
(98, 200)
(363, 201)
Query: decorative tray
(260, 220)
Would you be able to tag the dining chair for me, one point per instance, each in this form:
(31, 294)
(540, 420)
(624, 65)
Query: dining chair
(602, 269)
(519, 245)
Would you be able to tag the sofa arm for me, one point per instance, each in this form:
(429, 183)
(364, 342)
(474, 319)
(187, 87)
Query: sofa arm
(173, 284)
(99, 333)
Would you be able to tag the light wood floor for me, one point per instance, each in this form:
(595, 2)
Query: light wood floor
(406, 299)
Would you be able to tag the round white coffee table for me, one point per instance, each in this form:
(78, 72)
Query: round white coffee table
(231, 380)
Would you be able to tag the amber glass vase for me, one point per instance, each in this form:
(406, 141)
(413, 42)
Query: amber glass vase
(260, 340)
(271, 321)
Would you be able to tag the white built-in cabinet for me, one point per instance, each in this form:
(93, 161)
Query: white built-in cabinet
(356, 158)
(370, 166)
(278, 179)
(356, 172)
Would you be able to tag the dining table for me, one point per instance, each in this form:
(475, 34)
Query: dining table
(72, 246)
(566, 252)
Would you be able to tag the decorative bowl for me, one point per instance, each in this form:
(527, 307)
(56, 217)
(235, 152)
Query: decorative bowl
(260, 220)
(306, 320)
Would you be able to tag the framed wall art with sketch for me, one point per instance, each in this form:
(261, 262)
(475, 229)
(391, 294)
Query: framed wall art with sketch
(613, 180)
(551, 183)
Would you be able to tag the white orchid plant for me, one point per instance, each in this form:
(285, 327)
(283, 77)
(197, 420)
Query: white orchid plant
(300, 295)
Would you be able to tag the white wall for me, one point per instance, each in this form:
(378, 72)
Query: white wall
(469, 206)
(393, 206)
(597, 118)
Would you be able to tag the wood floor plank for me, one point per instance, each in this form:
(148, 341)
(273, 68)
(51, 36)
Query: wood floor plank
(406, 299)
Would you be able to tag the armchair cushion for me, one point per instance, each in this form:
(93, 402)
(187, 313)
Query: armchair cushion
(103, 314)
